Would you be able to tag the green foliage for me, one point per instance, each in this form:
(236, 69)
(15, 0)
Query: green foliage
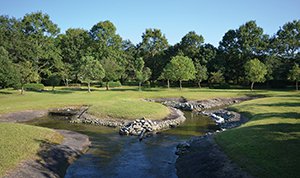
(34, 87)
(183, 69)
(142, 73)
(255, 71)
(216, 77)
(112, 84)
(201, 73)
(9, 75)
(27, 73)
(54, 80)
(294, 74)
(113, 71)
(91, 70)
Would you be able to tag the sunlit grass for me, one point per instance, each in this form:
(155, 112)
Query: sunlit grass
(19, 142)
(268, 145)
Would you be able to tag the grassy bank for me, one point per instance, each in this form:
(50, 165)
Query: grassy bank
(124, 102)
(19, 142)
(268, 145)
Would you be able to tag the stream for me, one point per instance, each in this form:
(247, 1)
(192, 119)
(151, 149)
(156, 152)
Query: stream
(112, 155)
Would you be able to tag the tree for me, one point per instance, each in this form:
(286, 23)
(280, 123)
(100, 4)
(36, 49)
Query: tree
(8, 72)
(183, 69)
(201, 73)
(216, 77)
(167, 74)
(113, 71)
(142, 73)
(54, 80)
(151, 49)
(190, 45)
(27, 74)
(91, 70)
(74, 45)
(239, 46)
(255, 71)
(294, 74)
(41, 49)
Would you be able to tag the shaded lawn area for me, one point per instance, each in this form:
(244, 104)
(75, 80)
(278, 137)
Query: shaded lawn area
(19, 142)
(268, 145)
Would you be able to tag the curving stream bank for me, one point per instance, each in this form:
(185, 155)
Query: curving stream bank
(113, 155)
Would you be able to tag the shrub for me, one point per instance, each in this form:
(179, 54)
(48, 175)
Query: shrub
(34, 87)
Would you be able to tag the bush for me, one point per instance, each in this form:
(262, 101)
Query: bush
(34, 87)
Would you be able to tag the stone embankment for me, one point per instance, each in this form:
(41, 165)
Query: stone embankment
(138, 127)
(198, 105)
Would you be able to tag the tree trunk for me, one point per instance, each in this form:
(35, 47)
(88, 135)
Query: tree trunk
(89, 89)
(107, 86)
(297, 85)
(67, 82)
(140, 86)
(53, 88)
(180, 84)
(199, 83)
(252, 84)
(22, 90)
(168, 82)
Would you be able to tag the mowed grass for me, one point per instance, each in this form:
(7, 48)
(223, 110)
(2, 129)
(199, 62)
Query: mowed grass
(269, 144)
(125, 102)
(19, 142)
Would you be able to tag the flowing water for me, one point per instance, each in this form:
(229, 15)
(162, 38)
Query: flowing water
(112, 155)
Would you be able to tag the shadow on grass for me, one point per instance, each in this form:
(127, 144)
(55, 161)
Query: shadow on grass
(6, 92)
(284, 104)
(262, 116)
(58, 91)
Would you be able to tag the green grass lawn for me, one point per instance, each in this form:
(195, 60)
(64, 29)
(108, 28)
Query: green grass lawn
(19, 142)
(125, 102)
(269, 144)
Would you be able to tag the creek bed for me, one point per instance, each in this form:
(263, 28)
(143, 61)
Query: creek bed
(112, 155)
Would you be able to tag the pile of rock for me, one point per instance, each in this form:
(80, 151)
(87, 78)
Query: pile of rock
(138, 127)
(224, 118)
(186, 106)
(141, 127)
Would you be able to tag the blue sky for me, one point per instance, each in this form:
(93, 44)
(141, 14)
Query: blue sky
(210, 18)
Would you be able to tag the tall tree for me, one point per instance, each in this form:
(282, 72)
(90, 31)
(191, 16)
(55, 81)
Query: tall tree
(255, 71)
(201, 73)
(183, 69)
(190, 45)
(39, 33)
(151, 49)
(113, 71)
(239, 46)
(91, 70)
(74, 45)
(142, 73)
(294, 74)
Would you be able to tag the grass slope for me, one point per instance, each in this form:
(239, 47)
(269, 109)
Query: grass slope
(268, 145)
(19, 142)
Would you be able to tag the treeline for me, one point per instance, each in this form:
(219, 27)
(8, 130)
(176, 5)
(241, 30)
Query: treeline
(32, 49)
